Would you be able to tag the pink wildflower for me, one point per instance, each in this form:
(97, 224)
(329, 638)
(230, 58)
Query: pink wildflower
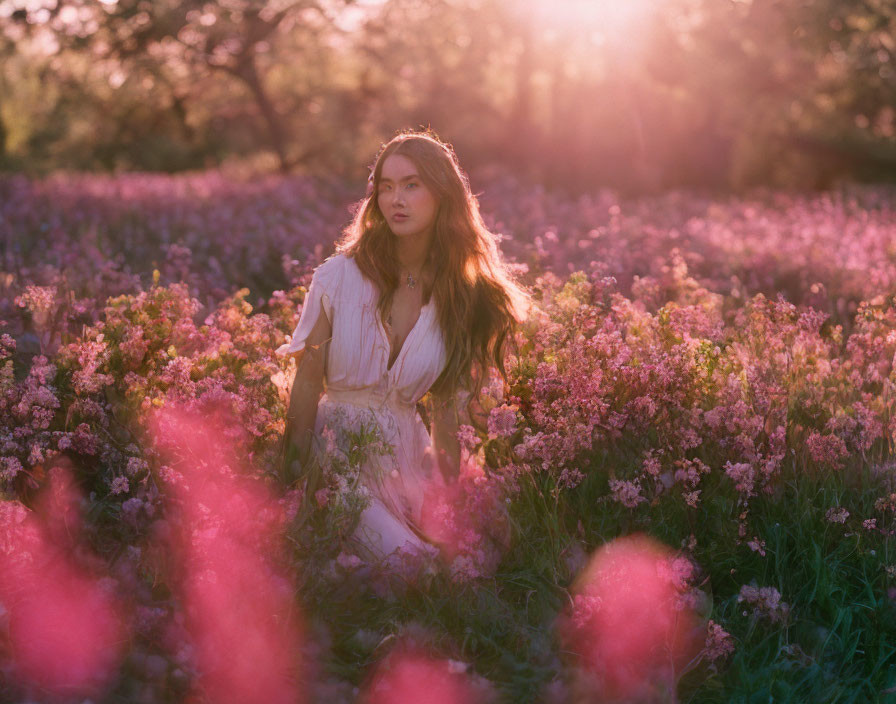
(719, 643)
(826, 449)
(409, 675)
(886, 503)
(689, 472)
(651, 465)
(502, 421)
(169, 475)
(467, 437)
(678, 570)
(583, 609)
(627, 493)
(36, 456)
(766, 601)
(348, 562)
(9, 468)
(136, 466)
(757, 545)
(133, 347)
(743, 475)
(625, 624)
(838, 514)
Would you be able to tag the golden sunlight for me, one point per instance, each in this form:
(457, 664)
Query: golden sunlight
(604, 21)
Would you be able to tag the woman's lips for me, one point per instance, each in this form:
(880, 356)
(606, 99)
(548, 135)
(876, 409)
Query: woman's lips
(400, 217)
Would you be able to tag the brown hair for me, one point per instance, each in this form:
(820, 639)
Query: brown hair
(477, 299)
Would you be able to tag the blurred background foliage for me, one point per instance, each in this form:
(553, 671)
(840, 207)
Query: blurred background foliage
(639, 95)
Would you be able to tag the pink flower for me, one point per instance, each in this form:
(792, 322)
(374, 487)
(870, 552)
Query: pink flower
(719, 643)
(629, 620)
(678, 570)
(826, 449)
(467, 437)
(766, 601)
(837, 514)
(37, 299)
(651, 465)
(583, 609)
(170, 476)
(689, 472)
(130, 510)
(9, 468)
(627, 493)
(743, 475)
(84, 441)
(409, 675)
(120, 485)
(136, 466)
(348, 562)
(757, 545)
(133, 347)
(502, 421)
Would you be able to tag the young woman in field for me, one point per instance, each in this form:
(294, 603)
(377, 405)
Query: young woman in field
(416, 299)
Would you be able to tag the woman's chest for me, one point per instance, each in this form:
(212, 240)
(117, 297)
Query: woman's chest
(367, 349)
(403, 317)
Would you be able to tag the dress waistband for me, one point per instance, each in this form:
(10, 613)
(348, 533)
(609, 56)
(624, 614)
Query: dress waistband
(370, 398)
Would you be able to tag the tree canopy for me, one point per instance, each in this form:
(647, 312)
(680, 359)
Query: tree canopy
(641, 95)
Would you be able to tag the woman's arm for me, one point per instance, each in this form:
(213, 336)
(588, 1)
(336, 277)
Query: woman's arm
(447, 417)
(307, 386)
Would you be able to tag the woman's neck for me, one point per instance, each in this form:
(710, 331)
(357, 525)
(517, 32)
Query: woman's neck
(412, 254)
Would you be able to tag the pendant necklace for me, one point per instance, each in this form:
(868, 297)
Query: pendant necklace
(411, 283)
(412, 280)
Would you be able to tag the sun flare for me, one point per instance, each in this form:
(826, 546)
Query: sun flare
(605, 19)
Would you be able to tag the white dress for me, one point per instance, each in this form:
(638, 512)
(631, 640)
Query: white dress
(357, 380)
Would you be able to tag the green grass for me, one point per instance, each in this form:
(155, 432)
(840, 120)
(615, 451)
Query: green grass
(839, 644)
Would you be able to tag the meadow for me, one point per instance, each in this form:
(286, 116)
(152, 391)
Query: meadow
(707, 380)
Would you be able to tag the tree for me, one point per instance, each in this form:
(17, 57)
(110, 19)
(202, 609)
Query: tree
(168, 39)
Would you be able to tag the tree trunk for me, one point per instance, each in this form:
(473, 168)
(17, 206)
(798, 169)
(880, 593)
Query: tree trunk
(247, 71)
(3, 135)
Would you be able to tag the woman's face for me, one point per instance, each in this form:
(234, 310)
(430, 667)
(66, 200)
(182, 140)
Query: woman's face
(407, 204)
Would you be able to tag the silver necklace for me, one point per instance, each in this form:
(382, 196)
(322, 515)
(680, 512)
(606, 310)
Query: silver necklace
(411, 280)
(411, 283)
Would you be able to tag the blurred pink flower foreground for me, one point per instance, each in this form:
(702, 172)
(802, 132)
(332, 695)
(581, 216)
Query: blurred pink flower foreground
(629, 627)
(66, 632)
(240, 610)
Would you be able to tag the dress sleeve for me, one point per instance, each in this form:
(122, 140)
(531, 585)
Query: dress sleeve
(319, 297)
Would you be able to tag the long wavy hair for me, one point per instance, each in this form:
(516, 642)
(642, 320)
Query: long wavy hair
(478, 302)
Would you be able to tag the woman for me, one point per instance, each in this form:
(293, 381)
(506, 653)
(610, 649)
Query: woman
(416, 299)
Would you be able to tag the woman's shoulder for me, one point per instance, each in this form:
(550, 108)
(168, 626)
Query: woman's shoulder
(336, 271)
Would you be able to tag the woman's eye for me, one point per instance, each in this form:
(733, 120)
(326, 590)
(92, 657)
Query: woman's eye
(412, 185)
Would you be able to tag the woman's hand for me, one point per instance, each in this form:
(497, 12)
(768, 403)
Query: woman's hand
(299, 464)
(290, 470)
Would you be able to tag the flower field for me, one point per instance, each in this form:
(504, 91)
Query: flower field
(685, 491)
